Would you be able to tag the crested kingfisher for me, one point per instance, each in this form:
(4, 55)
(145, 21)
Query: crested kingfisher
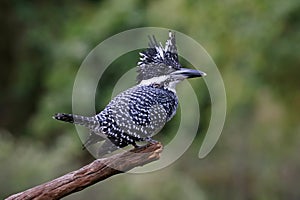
(140, 112)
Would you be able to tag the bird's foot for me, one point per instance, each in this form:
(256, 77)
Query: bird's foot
(150, 140)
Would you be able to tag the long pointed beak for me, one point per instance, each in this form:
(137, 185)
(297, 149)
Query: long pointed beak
(189, 73)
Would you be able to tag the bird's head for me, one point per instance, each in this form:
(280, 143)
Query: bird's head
(160, 65)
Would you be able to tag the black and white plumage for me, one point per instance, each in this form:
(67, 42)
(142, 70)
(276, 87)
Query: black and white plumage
(138, 113)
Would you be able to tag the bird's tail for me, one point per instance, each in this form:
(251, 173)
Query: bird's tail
(77, 119)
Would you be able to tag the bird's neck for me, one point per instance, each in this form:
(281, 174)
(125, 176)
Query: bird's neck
(161, 80)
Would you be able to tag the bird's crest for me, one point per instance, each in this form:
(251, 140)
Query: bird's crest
(158, 60)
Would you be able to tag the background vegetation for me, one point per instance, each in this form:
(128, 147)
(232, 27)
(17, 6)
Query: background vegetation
(255, 44)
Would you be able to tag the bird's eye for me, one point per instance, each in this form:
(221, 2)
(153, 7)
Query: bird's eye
(170, 67)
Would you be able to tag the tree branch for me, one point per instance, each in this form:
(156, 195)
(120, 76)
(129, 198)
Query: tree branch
(92, 173)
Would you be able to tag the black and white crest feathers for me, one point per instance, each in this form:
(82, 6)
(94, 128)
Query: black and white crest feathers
(158, 60)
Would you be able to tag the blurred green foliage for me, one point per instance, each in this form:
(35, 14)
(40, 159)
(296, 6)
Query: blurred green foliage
(255, 44)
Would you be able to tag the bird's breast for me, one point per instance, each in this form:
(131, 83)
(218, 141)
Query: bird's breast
(141, 110)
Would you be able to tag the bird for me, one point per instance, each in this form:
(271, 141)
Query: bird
(138, 113)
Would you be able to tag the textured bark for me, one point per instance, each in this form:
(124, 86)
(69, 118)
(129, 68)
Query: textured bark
(92, 173)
